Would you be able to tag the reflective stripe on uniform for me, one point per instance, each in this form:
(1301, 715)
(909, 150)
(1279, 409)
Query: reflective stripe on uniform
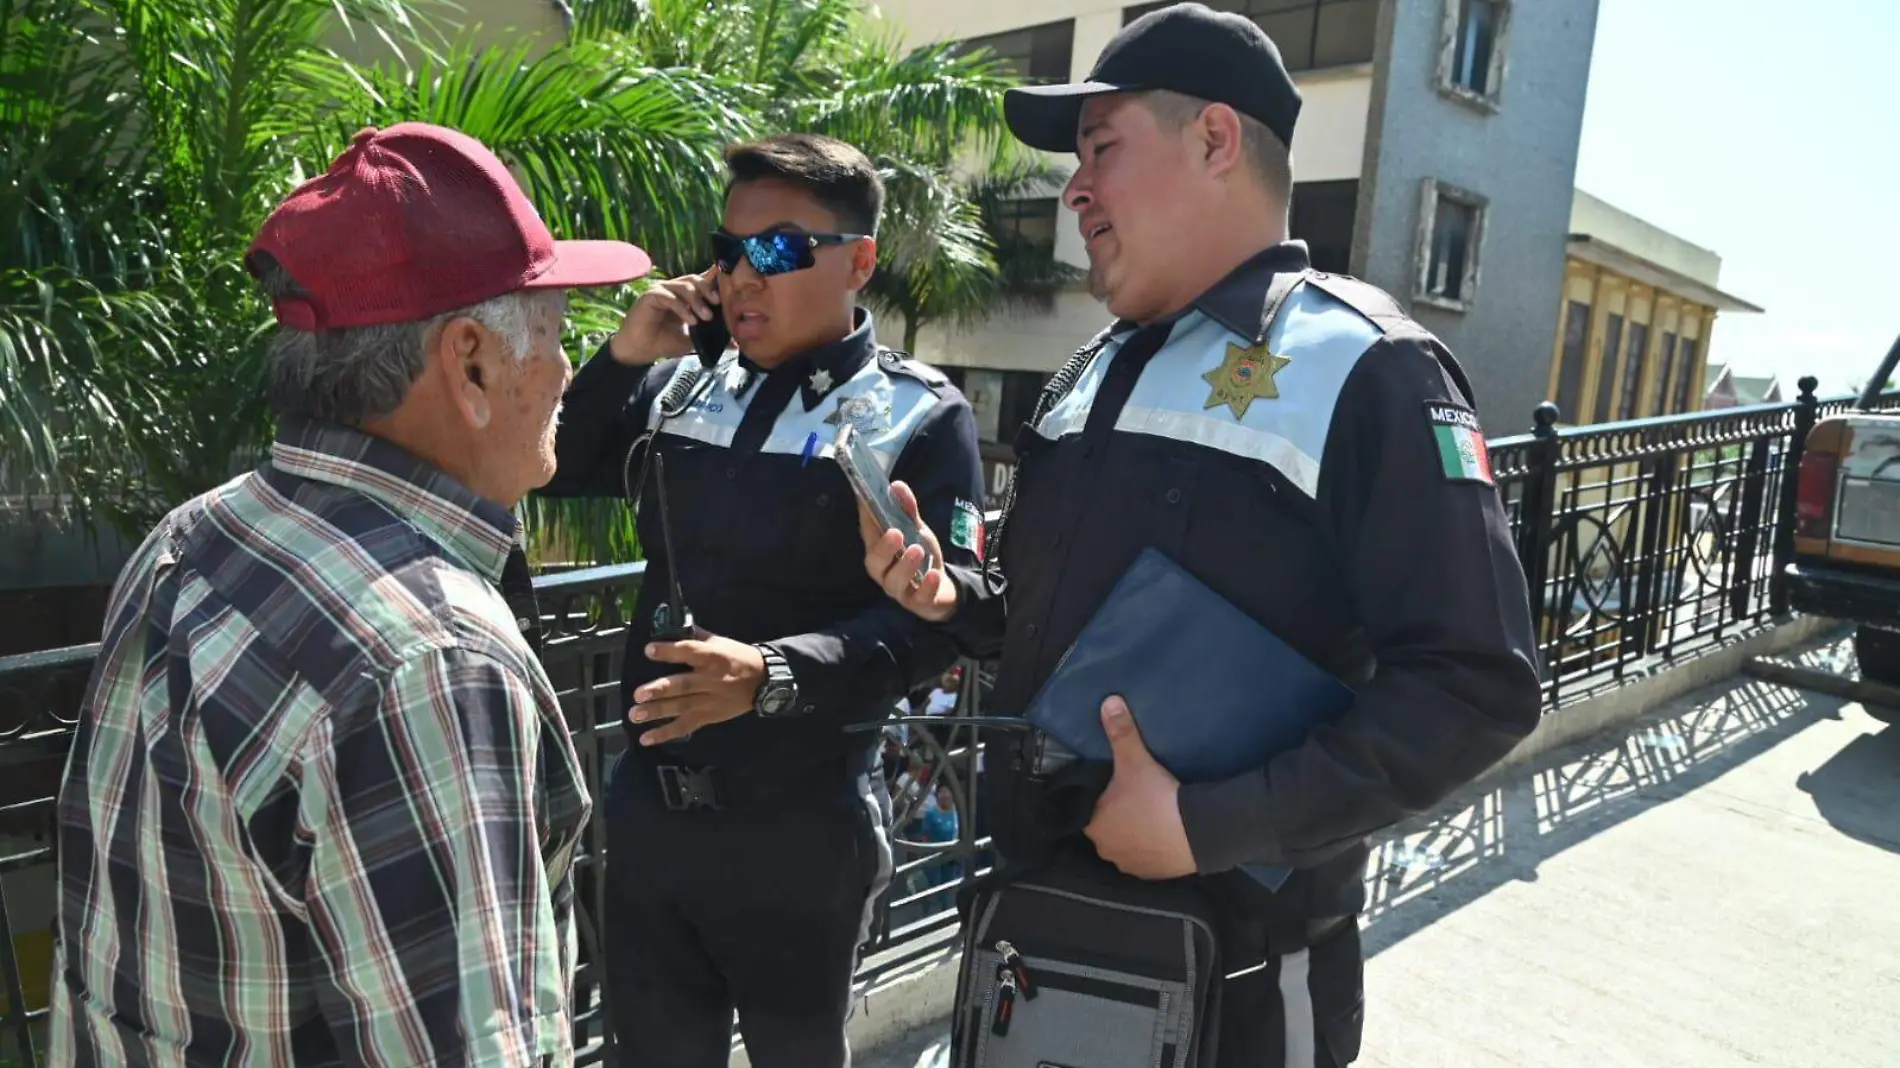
(887, 409)
(1296, 1009)
(1322, 339)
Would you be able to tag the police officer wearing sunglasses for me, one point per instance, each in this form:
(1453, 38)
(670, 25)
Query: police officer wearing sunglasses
(746, 827)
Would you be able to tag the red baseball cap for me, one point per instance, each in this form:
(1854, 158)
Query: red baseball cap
(417, 220)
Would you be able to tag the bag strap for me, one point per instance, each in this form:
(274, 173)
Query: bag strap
(1057, 388)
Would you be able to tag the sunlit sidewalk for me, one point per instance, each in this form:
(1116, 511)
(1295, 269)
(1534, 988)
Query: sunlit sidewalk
(1719, 887)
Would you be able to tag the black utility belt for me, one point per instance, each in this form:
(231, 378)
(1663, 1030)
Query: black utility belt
(689, 787)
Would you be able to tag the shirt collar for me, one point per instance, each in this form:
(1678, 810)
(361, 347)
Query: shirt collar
(1237, 300)
(478, 531)
(823, 369)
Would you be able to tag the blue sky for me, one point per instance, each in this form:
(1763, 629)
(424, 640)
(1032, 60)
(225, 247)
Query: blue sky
(1769, 132)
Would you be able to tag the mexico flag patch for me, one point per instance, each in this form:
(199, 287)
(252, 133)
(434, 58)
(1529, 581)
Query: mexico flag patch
(966, 528)
(1461, 452)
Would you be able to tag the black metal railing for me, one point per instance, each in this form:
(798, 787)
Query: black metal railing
(1646, 540)
(1641, 541)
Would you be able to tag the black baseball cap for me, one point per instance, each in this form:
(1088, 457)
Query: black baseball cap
(1189, 48)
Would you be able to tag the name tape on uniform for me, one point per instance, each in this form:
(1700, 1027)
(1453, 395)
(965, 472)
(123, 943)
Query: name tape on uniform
(1462, 455)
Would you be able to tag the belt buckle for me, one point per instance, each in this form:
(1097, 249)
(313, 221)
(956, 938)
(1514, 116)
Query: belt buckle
(683, 789)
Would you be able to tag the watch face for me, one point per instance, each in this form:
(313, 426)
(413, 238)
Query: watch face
(775, 699)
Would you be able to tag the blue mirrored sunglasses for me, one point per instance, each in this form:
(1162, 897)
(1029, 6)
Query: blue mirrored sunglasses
(772, 251)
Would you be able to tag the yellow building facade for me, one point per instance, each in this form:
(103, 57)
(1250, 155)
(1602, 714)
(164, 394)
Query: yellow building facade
(1635, 321)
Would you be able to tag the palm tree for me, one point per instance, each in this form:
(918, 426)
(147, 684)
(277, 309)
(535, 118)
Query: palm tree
(810, 65)
(140, 154)
(955, 259)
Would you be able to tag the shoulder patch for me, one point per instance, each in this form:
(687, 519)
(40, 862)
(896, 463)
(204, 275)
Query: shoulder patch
(899, 363)
(1459, 441)
(966, 528)
(1363, 297)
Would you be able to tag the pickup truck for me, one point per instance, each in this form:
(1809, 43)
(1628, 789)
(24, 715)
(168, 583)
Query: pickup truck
(1847, 529)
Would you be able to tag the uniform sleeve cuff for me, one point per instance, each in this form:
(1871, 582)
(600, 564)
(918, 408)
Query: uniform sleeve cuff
(974, 626)
(1230, 823)
(813, 660)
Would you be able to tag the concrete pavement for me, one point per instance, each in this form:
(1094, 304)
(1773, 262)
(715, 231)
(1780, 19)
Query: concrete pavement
(1718, 886)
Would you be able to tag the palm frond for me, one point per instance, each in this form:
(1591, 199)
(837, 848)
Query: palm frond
(77, 364)
(143, 141)
(604, 148)
(595, 19)
(932, 100)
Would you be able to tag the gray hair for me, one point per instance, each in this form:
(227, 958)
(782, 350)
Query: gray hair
(359, 373)
(1268, 156)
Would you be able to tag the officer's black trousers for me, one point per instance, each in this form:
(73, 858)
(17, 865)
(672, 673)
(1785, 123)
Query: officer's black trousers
(759, 909)
(1302, 1010)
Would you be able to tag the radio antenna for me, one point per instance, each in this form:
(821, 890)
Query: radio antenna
(674, 620)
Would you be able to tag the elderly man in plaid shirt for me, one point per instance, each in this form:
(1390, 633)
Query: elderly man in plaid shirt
(321, 805)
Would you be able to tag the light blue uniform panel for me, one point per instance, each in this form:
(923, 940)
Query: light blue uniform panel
(1072, 411)
(886, 409)
(1321, 337)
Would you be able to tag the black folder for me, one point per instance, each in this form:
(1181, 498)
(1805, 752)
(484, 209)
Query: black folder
(1215, 693)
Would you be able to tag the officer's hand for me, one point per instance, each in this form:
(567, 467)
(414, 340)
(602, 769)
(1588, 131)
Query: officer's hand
(655, 328)
(894, 567)
(722, 685)
(1137, 824)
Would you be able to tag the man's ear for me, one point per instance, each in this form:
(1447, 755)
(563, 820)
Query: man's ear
(463, 359)
(863, 262)
(1219, 137)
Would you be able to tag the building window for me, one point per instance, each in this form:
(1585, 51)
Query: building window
(1309, 33)
(1030, 222)
(1471, 51)
(1685, 385)
(1633, 371)
(1606, 368)
(1040, 55)
(1322, 216)
(1664, 370)
(1450, 239)
(1570, 371)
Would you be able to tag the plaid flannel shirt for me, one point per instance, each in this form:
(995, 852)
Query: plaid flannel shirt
(322, 805)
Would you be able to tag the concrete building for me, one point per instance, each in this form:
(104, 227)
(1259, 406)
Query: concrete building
(1638, 311)
(1723, 388)
(1435, 157)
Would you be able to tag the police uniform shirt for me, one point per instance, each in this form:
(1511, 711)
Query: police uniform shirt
(765, 525)
(1333, 485)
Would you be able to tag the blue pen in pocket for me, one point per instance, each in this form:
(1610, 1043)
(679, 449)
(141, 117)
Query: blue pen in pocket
(811, 446)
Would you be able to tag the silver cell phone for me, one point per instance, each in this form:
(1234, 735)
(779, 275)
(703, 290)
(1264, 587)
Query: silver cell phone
(873, 487)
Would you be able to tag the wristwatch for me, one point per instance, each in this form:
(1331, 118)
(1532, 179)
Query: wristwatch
(778, 694)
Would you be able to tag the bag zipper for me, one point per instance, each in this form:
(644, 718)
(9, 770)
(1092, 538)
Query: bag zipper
(1013, 961)
(1005, 1008)
(1169, 914)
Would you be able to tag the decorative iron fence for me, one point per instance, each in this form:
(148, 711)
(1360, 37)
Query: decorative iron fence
(1641, 541)
(1648, 539)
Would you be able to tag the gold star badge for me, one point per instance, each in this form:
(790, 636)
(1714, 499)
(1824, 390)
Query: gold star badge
(1245, 374)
